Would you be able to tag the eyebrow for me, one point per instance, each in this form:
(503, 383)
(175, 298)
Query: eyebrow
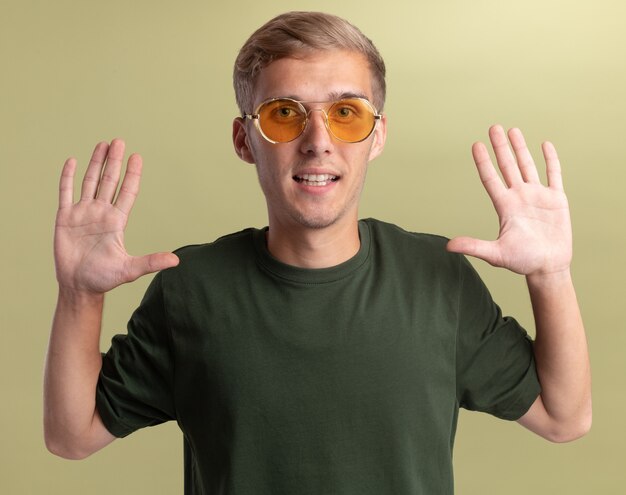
(333, 96)
(347, 94)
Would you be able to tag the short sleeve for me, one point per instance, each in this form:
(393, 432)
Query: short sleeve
(135, 387)
(495, 361)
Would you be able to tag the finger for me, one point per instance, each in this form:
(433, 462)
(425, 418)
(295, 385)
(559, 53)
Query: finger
(487, 172)
(484, 250)
(111, 172)
(553, 166)
(66, 184)
(525, 160)
(150, 263)
(506, 161)
(130, 184)
(94, 169)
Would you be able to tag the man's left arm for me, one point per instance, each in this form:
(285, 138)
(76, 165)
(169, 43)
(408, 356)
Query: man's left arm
(535, 240)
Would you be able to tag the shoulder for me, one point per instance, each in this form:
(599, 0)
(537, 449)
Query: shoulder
(224, 243)
(398, 241)
(216, 257)
(414, 256)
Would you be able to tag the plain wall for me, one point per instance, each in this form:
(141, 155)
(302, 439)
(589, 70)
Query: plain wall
(158, 74)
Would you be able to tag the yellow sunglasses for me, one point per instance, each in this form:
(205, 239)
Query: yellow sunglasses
(281, 120)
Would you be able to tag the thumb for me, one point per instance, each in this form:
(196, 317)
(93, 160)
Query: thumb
(484, 250)
(150, 263)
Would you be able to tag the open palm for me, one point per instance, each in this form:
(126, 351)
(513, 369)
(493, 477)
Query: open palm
(535, 231)
(89, 235)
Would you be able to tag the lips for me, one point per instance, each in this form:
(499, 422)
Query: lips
(315, 179)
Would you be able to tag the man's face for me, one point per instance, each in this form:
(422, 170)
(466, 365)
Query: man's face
(286, 171)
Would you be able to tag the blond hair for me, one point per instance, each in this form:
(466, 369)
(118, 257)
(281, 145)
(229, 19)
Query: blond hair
(297, 32)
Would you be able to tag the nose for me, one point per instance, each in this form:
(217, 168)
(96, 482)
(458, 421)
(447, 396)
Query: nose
(316, 138)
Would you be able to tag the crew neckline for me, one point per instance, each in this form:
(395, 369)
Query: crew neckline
(312, 275)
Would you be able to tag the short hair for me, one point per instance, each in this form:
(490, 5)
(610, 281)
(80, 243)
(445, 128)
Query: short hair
(293, 33)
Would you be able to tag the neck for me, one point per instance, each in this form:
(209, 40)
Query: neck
(314, 248)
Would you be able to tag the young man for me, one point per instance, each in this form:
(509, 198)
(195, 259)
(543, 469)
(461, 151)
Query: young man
(322, 354)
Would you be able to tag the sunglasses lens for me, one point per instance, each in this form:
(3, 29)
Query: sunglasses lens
(282, 120)
(351, 120)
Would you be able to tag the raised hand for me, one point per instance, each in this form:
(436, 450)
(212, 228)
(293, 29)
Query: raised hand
(89, 235)
(535, 231)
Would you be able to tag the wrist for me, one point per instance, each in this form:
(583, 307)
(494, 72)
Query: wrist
(78, 317)
(549, 280)
(77, 298)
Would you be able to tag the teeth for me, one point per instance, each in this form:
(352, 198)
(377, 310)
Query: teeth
(315, 179)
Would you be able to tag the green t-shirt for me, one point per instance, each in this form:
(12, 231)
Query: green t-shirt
(345, 380)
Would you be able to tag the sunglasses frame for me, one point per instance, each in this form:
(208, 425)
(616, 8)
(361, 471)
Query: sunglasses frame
(256, 116)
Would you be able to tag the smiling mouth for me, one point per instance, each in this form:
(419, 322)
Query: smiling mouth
(315, 179)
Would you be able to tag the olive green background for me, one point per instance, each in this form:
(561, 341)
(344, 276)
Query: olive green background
(158, 74)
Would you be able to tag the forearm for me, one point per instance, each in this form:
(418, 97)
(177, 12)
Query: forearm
(561, 353)
(72, 367)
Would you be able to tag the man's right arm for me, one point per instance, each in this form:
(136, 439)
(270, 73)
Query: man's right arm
(90, 259)
(72, 426)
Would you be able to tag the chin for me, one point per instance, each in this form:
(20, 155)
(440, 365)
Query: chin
(315, 222)
(318, 220)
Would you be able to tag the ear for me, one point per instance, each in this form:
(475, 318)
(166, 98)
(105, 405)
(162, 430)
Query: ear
(240, 140)
(380, 136)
